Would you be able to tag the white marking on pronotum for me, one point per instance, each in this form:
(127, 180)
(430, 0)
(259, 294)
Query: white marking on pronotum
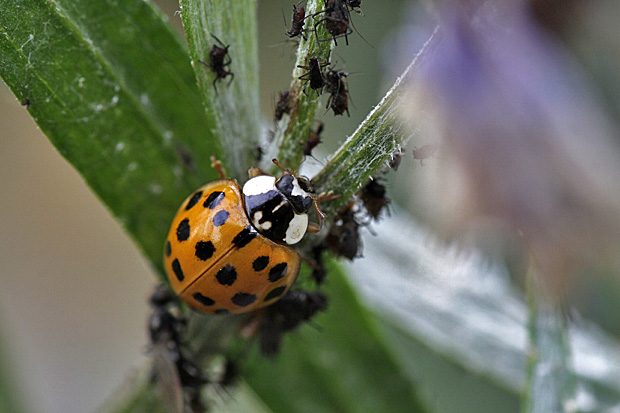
(259, 185)
(297, 191)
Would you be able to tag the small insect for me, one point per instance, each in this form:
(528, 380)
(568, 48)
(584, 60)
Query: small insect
(26, 103)
(314, 138)
(425, 152)
(297, 25)
(296, 307)
(338, 100)
(219, 59)
(319, 272)
(228, 248)
(336, 18)
(373, 196)
(314, 75)
(283, 106)
(353, 4)
(187, 159)
(344, 239)
(395, 162)
(177, 374)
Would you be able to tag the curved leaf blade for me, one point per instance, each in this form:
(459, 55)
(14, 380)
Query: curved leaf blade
(102, 112)
(342, 365)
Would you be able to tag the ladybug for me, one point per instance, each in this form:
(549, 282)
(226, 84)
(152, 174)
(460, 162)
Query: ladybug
(228, 249)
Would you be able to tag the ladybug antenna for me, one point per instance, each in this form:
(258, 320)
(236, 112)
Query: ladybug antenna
(284, 170)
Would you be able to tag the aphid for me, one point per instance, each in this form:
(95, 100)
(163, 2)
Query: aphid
(219, 59)
(297, 25)
(296, 307)
(336, 17)
(178, 375)
(425, 152)
(283, 106)
(395, 162)
(314, 75)
(187, 159)
(338, 100)
(319, 272)
(353, 3)
(344, 239)
(373, 196)
(314, 138)
(228, 248)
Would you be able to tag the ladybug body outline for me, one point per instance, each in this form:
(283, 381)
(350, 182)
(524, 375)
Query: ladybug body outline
(228, 251)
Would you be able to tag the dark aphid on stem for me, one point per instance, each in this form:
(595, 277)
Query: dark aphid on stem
(338, 100)
(374, 197)
(319, 272)
(425, 152)
(219, 59)
(297, 25)
(314, 138)
(395, 162)
(283, 106)
(336, 17)
(314, 75)
(353, 4)
(343, 239)
(180, 378)
(285, 315)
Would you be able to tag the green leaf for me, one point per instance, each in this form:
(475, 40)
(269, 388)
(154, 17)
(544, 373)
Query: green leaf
(464, 308)
(111, 86)
(232, 102)
(342, 365)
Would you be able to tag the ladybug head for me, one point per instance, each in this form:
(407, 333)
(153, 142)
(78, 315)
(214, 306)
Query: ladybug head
(298, 191)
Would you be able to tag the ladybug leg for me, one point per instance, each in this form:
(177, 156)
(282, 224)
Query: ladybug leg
(217, 165)
(320, 216)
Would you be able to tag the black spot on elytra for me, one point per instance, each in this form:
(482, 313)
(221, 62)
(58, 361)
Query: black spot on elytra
(204, 250)
(243, 299)
(176, 268)
(244, 237)
(183, 230)
(260, 263)
(276, 292)
(278, 271)
(222, 311)
(168, 249)
(214, 199)
(227, 275)
(193, 200)
(203, 299)
(220, 218)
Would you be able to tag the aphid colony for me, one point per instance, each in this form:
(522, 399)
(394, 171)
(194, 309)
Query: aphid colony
(229, 248)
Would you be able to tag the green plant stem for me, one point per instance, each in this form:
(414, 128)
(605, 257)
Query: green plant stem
(375, 142)
(551, 381)
(293, 130)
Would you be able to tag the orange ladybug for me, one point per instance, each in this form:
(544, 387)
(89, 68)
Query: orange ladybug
(228, 251)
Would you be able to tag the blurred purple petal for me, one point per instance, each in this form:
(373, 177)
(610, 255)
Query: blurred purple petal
(523, 136)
